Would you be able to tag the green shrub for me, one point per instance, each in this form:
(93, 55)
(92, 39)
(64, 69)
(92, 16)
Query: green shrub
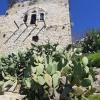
(94, 59)
(94, 97)
(91, 42)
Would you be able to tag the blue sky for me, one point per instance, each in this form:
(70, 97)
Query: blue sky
(85, 15)
(3, 6)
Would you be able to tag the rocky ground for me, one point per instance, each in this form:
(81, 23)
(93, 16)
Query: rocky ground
(96, 84)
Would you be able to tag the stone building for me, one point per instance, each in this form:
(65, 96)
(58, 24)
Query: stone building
(34, 21)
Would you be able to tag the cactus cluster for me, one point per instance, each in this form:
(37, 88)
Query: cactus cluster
(46, 72)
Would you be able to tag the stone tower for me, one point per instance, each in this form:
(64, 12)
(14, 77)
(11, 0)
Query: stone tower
(34, 21)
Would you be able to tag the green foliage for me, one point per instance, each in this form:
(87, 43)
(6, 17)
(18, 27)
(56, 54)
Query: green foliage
(86, 82)
(91, 43)
(55, 79)
(48, 79)
(94, 97)
(94, 59)
(90, 46)
(47, 72)
(85, 61)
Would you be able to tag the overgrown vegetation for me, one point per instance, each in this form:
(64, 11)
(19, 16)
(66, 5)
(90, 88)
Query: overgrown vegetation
(90, 46)
(94, 59)
(91, 43)
(94, 97)
(47, 72)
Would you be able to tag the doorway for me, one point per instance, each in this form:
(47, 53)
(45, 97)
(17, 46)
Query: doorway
(33, 19)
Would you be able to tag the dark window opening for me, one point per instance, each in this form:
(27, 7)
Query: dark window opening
(33, 19)
(42, 16)
(25, 18)
(63, 27)
(35, 38)
(4, 35)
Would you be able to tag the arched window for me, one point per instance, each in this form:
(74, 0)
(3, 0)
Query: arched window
(33, 19)
(41, 16)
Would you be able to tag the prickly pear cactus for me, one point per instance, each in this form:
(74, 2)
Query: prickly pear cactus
(85, 60)
(48, 73)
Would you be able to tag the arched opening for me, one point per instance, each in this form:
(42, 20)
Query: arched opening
(33, 19)
(42, 16)
(4, 35)
(35, 38)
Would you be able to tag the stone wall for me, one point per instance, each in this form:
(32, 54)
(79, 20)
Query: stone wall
(54, 28)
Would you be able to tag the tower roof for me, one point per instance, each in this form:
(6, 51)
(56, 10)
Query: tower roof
(12, 2)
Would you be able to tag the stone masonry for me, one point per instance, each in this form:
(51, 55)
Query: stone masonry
(34, 21)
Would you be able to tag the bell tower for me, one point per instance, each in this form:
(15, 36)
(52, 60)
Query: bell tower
(35, 21)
